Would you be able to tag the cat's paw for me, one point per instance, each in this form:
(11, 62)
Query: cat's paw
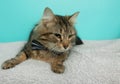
(8, 64)
(58, 68)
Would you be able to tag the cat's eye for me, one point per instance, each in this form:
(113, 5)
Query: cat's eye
(57, 35)
(71, 35)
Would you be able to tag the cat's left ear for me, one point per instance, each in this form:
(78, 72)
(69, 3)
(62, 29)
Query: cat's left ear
(73, 17)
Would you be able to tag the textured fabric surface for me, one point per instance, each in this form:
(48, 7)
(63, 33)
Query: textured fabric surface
(95, 62)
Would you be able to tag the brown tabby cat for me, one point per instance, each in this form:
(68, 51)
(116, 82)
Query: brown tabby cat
(51, 41)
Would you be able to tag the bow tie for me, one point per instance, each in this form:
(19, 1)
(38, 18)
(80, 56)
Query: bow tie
(37, 45)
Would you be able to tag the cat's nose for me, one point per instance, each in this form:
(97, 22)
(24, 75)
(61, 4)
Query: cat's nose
(65, 46)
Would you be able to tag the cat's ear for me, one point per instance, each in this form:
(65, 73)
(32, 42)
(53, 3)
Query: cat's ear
(73, 17)
(48, 15)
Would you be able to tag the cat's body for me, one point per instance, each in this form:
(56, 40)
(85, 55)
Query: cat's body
(51, 41)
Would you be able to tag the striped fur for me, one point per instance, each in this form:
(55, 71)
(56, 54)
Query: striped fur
(57, 34)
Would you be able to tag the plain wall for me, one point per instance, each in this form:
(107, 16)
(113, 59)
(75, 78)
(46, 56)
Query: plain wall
(98, 19)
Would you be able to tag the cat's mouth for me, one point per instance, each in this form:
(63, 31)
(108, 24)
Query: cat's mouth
(58, 51)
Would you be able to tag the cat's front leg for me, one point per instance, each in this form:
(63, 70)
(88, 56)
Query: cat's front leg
(57, 66)
(14, 61)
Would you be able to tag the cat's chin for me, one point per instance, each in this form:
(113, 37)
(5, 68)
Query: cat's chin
(59, 52)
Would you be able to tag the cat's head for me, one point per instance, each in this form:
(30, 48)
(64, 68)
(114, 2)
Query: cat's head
(56, 32)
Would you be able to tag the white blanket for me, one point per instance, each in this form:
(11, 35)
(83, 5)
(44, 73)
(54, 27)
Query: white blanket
(95, 62)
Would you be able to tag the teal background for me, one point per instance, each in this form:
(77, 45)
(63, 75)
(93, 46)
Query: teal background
(98, 19)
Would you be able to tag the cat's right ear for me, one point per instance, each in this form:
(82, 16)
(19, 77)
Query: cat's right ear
(47, 15)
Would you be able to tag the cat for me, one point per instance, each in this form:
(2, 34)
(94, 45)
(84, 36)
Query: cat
(51, 41)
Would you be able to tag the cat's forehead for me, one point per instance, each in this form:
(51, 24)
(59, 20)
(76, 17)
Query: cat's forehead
(64, 26)
(63, 20)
